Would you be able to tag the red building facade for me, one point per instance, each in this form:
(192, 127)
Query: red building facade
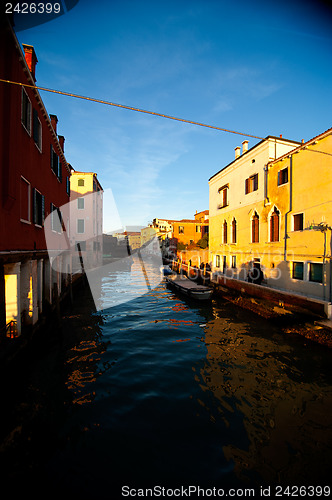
(34, 172)
(34, 181)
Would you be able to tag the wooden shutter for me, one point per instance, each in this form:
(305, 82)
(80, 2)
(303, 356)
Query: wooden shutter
(224, 197)
(247, 186)
(255, 229)
(255, 182)
(225, 232)
(234, 231)
(274, 226)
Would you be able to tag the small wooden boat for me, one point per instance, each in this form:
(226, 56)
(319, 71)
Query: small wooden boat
(188, 287)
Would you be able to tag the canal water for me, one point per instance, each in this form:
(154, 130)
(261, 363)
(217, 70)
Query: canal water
(163, 391)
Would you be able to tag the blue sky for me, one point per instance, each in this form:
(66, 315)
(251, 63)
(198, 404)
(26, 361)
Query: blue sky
(249, 66)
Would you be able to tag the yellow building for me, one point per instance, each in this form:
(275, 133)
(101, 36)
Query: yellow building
(237, 197)
(269, 206)
(299, 195)
(86, 218)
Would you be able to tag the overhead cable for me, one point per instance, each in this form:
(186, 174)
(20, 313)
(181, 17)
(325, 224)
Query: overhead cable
(130, 108)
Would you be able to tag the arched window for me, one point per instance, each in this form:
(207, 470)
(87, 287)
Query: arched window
(225, 232)
(255, 228)
(274, 225)
(80, 182)
(234, 231)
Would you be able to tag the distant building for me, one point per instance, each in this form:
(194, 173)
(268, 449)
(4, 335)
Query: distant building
(134, 239)
(86, 218)
(34, 183)
(171, 232)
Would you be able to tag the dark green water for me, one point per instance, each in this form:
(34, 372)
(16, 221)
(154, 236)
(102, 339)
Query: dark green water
(160, 391)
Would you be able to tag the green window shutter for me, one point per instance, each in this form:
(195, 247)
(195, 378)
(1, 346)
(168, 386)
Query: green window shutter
(51, 151)
(316, 272)
(298, 270)
(34, 206)
(35, 126)
(43, 209)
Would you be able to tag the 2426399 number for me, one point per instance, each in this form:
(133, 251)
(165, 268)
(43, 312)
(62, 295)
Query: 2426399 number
(33, 8)
(302, 491)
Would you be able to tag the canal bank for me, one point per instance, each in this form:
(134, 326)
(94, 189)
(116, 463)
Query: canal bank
(291, 312)
(14, 347)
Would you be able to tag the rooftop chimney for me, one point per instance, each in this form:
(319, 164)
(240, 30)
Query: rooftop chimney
(62, 142)
(54, 121)
(280, 136)
(31, 59)
(237, 151)
(244, 146)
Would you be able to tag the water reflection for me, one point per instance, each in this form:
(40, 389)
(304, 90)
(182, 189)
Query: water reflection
(257, 381)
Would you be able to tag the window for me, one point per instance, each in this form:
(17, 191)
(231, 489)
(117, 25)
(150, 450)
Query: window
(224, 263)
(274, 225)
(56, 219)
(38, 208)
(298, 270)
(80, 203)
(234, 231)
(255, 228)
(68, 186)
(283, 176)
(181, 229)
(54, 161)
(198, 229)
(25, 203)
(225, 232)
(223, 192)
(217, 260)
(80, 182)
(37, 130)
(298, 222)
(56, 165)
(251, 184)
(233, 261)
(316, 272)
(80, 226)
(26, 112)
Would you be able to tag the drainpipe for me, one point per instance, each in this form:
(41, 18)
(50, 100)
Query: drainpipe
(290, 204)
(266, 173)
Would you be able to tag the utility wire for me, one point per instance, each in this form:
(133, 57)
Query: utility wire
(130, 108)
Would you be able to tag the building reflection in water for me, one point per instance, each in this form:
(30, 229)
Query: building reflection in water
(274, 390)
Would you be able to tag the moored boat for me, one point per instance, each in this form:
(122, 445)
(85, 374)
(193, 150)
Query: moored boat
(188, 287)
